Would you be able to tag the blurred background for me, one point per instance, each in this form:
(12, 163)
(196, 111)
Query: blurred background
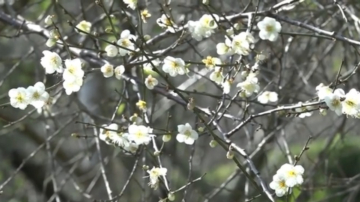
(40, 159)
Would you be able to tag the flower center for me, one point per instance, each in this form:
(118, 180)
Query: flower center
(335, 102)
(36, 95)
(350, 103)
(291, 173)
(174, 65)
(20, 98)
(53, 60)
(167, 22)
(269, 28)
(125, 42)
(282, 184)
(71, 69)
(187, 133)
(139, 134)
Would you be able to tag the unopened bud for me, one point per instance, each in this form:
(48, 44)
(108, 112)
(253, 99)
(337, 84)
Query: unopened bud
(171, 196)
(75, 135)
(166, 138)
(213, 143)
(156, 153)
(49, 20)
(145, 167)
(323, 112)
(230, 155)
(191, 104)
(147, 37)
(201, 129)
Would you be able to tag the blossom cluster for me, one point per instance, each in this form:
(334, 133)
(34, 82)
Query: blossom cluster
(204, 27)
(165, 22)
(339, 102)
(287, 177)
(130, 141)
(33, 95)
(154, 174)
(125, 43)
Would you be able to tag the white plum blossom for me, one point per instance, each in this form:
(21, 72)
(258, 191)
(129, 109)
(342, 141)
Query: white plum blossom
(37, 95)
(119, 71)
(268, 96)
(53, 38)
(226, 85)
(111, 136)
(174, 66)
(108, 133)
(151, 82)
(83, 26)
(73, 70)
(125, 41)
(140, 134)
(211, 62)
(204, 27)
(269, 29)
(230, 31)
(217, 75)
(333, 101)
(72, 85)
(51, 62)
(241, 43)
(225, 48)
(186, 134)
(196, 30)
(131, 3)
(19, 98)
(154, 175)
(291, 174)
(130, 147)
(111, 50)
(48, 20)
(148, 66)
(322, 91)
(249, 86)
(165, 22)
(279, 186)
(351, 104)
(303, 111)
(107, 70)
(209, 21)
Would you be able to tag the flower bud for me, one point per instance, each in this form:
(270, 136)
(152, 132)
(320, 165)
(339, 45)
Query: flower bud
(213, 143)
(156, 153)
(171, 196)
(230, 155)
(48, 20)
(166, 138)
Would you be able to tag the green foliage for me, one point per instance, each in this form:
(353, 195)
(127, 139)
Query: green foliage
(121, 108)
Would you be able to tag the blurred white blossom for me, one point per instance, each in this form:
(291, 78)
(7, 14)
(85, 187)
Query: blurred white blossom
(111, 50)
(37, 94)
(268, 96)
(269, 29)
(51, 62)
(125, 41)
(84, 26)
